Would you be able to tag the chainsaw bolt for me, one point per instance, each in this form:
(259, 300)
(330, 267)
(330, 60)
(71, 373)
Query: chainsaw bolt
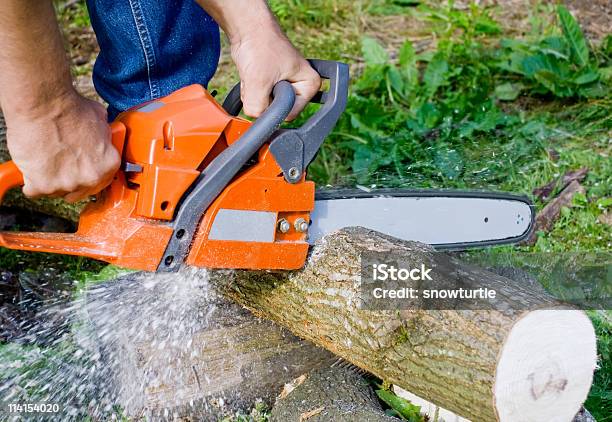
(294, 173)
(283, 225)
(301, 225)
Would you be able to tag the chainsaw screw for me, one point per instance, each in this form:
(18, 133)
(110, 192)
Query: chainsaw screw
(283, 225)
(301, 225)
(294, 173)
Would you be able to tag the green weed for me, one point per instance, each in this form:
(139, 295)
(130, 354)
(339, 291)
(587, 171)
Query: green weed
(400, 407)
(561, 64)
(259, 413)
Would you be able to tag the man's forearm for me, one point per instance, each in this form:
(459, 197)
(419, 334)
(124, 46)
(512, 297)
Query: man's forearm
(238, 18)
(34, 71)
(263, 54)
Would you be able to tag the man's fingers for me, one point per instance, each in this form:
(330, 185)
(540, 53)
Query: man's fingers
(77, 196)
(256, 98)
(300, 104)
(255, 95)
(307, 85)
(33, 190)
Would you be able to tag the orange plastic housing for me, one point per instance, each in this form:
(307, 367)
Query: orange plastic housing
(165, 144)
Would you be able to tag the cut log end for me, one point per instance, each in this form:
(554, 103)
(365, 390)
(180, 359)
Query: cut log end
(544, 374)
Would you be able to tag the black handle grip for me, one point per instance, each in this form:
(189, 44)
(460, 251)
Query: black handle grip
(320, 125)
(294, 149)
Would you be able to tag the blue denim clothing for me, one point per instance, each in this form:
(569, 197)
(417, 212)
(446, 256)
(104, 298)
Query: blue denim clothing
(149, 48)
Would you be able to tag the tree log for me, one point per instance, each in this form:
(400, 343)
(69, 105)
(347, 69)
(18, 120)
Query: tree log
(484, 365)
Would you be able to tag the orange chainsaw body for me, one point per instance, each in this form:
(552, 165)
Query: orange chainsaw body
(165, 145)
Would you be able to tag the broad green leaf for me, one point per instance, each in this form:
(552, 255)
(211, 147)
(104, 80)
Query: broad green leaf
(553, 83)
(606, 73)
(396, 81)
(574, 36)
(586, 77)
(486, 25)
(428, 115)
(408, 65)
(371, 78)
(407, 55)
(435, 74)
(513, 62)
(402, 406)
(426, 56)
(508, 91)
(557, 46)
(556, 72)
(373, 52)
(514, 44)
(596, 90)
(531, 64)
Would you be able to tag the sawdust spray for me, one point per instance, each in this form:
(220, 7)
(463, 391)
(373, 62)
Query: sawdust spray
(74, 363)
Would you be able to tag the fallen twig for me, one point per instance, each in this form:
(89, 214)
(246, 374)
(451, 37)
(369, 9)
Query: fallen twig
(545, 191)
(550, 213)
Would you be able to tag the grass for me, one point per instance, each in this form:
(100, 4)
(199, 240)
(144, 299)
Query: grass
(599, 401)
(454, 97)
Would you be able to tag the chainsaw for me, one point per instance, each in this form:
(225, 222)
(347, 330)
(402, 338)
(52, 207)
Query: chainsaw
(201, 186)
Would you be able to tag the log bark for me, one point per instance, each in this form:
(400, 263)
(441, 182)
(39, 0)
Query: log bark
(484, 365)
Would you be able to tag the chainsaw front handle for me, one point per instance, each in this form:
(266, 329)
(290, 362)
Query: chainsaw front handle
(294, 149)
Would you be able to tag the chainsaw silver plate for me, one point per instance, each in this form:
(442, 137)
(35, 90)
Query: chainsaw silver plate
(452, 221)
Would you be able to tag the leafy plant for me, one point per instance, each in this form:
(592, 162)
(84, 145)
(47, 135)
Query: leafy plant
(561, 65)
(259, 413)
(401, 407)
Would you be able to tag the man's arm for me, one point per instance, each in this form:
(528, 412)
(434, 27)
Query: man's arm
(262, 53)
(59, 140)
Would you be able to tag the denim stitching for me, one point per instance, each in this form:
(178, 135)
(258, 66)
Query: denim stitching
(147, 46)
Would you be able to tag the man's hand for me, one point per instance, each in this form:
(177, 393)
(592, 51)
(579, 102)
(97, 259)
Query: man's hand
(263, 54)
(64, 149)
(265, 57)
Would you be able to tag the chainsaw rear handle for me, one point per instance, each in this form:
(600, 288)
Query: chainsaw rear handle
(11, 177)
(294, 149)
